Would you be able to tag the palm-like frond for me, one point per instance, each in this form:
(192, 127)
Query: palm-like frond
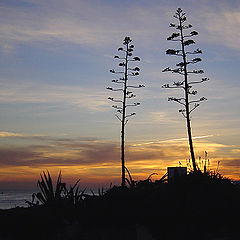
(74, 195)
(60, 195)
(47, 193)
(130, 181)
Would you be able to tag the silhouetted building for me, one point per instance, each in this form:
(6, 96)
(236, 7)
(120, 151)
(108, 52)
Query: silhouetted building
(175, 172)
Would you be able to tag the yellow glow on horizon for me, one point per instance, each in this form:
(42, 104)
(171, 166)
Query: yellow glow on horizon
(141, 160)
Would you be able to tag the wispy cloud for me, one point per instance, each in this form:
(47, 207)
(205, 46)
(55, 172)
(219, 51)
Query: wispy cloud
(61, 139)
(32, 92)
(10, 134)
(96, 25)
(171, 140)
(232, 163)
(85, 151)
(83, 23)
(221, 27)
(162, 117)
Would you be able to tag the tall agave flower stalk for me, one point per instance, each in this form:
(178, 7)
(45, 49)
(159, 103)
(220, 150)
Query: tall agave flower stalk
(183, 36)
(126, 71)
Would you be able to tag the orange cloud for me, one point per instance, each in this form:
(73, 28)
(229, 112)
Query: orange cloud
(97, 163)
(9, 134)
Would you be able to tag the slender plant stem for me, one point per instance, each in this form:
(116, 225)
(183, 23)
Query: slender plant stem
(124, 120)
(187, 98)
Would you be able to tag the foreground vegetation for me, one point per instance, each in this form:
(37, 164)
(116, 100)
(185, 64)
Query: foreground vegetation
(197, 206)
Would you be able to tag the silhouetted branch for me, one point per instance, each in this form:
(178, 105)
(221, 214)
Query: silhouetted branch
(139, 86)
(199, 100)
(121, 58)
(196, 60)
(133, 74)
(174, 52)
(134, 69)
(117, 81)
(177, 100)
(132, 114)
(182, 111)
(188, 42)
(176, 70)
(168, 86)
(113, 71)
(131, 96)
(196, 71)
(114, 100)
(203, 80)
(195, 106)
(193, 33)
(197, 51)
(179, 84)
(173, 36)
(133, 105)
(194, 92)
(118, 118)
(109, 88)
(117, 107)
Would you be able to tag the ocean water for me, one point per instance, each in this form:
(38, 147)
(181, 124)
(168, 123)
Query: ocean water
(12, 199)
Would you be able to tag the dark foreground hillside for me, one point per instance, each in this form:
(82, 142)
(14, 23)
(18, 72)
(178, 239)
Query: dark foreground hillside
(194, 207)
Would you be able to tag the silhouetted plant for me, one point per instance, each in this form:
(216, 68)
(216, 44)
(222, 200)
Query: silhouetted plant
(101, 191)
(48, 195)
(74, 195)
(163, 179)
(202, 165)
(208, 177)
(204, 173)
(182, 36)
(130, 181)
(127, 94)
(61, 195)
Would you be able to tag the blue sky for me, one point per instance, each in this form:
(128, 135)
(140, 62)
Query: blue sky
(55, 58)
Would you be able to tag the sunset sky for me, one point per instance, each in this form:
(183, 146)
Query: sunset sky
(55, 57)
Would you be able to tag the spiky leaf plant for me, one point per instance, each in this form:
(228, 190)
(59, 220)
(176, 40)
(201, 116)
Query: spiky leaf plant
(74, 195)
(48, 195)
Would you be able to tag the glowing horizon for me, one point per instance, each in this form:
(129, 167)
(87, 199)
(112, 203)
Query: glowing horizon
(97, 163)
